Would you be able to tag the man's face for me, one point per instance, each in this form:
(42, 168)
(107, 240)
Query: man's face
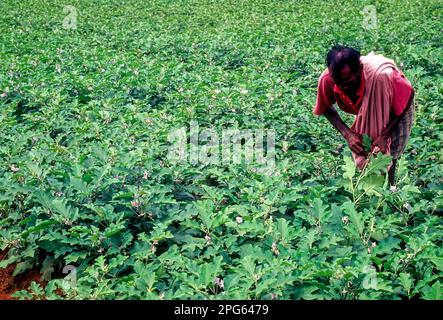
(348, 80)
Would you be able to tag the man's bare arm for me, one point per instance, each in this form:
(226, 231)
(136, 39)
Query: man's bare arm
(397, 119)
(354, 140)
(381, 140)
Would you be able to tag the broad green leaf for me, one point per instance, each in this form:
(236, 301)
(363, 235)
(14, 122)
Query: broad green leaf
(39, 227)
(22, 267)
(433, 293)
(319, 209)
(349, 168)
(438, 263)
(354, 217)
(283, 229)
(406, 281)
(249, 264)
(377, 164)
(371, 183)
(367, 143)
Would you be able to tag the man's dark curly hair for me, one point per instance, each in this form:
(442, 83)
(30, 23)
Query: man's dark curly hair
(339, 56)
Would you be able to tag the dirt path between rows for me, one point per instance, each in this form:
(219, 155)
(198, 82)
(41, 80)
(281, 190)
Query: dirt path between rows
(10, 284)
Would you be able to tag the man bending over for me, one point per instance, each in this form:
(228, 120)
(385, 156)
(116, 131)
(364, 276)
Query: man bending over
(374, 90)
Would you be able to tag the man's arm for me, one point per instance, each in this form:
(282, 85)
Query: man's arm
(381, 141)
(353, 139)
(397, 119)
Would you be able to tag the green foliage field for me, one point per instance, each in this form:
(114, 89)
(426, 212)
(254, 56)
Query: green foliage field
(85, 179)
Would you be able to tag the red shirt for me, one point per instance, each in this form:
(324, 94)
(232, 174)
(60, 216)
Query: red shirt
(329, 93)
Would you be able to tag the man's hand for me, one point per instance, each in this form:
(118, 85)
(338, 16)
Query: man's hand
(355, 142)
(381, 142)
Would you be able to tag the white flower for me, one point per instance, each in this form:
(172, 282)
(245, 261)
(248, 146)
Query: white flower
(14, 168)
(145, 175)
(219, 282)
(394, 189)
(208, 238)
(154, 246)
(244, 91)
(407, 206)
(285, 146)
(239, 219)
(373, 244)
(345, 219)
(275, 249)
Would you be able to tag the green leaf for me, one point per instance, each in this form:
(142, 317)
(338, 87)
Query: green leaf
(79, 184)
(205, 209)
(372, 182)
(367, 143)
(39, 227)
(377, 164)
(432, 293)
(22, 294)
(282, 226)
(34, 169)
(36, 289)
(308, 293)
(406, 281)
(249, 264)
(319, 209)
(43, 198)
(29, 252)
(150, 280)
(349, 168)
(47, 268)
(10, 260)
(354, 217)
(438, 263)
(75, 256)
(206, 274)
(113, 229)
(22, 266)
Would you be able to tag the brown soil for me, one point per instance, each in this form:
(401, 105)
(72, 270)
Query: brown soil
(10, 284)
